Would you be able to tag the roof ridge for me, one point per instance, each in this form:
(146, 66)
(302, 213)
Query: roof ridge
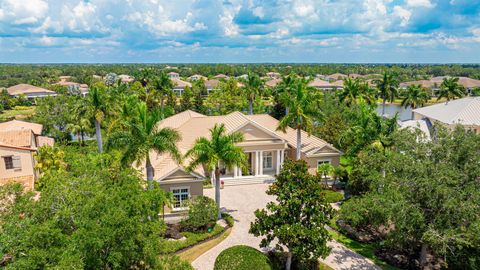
(460, 112)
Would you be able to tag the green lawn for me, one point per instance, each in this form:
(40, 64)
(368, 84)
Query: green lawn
(19, 113)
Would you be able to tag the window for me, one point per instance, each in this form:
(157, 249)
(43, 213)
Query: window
(267, 160)
(181, 195)
(8, 162)
(323, 161)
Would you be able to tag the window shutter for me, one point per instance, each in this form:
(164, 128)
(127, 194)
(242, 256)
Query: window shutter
(17, 164)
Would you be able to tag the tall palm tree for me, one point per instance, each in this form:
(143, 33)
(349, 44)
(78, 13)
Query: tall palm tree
(253, 89)
(219, 149)
(350, 92)
(141, 136)
(415, 96)
(387, 88)
(163, 87)
(98, 109)
(450, 89)
(284, 90)
(302, 109)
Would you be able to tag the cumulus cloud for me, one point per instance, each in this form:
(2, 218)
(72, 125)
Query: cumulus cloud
(275, 26)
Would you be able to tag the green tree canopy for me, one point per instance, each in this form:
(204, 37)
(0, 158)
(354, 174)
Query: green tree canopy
(298, 217)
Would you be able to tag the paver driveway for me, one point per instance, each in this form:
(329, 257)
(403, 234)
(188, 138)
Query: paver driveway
(241, 201)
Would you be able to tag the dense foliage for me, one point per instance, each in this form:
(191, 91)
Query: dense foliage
(202, 214)
(428, 200)
(93, 216)
(297, 219)
(242, 258)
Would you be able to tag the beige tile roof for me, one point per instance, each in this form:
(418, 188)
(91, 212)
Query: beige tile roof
(17, 124)
(179, 83)
(273, 82)
(336, 76)
(221, 76)
(318, 83)
(437, 81)
(192, 125)
(212, 83)
(27, 89)
(18, 138)
(42, 140)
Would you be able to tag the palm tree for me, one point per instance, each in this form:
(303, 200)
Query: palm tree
(253, 88)
(98, 110)
(350, 92)
(324, 170)
(415, 96)
(301, 111)
(141, 136)
(284, 90)
(164, 87)
(219, 149)
(387, 88)
(450, 89)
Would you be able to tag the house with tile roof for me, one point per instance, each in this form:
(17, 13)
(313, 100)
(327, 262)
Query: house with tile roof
(464, 111)
(19, 141)
(266, 149)
(29, 91)
(179, 85)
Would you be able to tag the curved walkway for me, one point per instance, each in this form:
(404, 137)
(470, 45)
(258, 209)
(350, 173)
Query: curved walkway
(241, 202)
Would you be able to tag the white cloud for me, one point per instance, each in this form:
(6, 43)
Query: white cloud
(23, 11)
(403, 14)
(420, 3)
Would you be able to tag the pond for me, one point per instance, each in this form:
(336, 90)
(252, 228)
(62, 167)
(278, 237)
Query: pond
(391, 109)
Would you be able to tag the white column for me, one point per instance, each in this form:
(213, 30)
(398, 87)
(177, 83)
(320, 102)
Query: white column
(256, 162)
(239, 174)
(278, 161)
(260, 168)
(282, 157)
(235, 172)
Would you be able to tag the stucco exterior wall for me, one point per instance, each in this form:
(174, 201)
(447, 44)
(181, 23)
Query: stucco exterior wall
(196, 189)
(25, 175)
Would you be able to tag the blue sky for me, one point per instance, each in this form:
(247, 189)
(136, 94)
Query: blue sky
(344, 31)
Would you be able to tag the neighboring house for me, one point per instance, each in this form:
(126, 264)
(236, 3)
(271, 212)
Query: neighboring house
(29, 91)
(420, 124)
(73, 87)
(173, 75)
(434, 83)
(221, 77)
(273, 82)
(197, 77)
(325, 85)
(212, 85)
(336, 77)
(125, 78)
(273, 75)
(19, 141)
(465, 111)
(179, 85)
(265, 147)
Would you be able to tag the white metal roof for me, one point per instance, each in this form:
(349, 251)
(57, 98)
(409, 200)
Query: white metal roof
(465, 111)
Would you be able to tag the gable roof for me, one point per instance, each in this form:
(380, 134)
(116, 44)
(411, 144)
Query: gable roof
(192, 125)
(180, 83)
(27, 89)
(465, 111)
(18, 138)
(17, 124)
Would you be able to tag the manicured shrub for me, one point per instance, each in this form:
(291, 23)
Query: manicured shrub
(172, 262)
(229, 219)
(202, 214)
(242, 258)
(332, 196)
